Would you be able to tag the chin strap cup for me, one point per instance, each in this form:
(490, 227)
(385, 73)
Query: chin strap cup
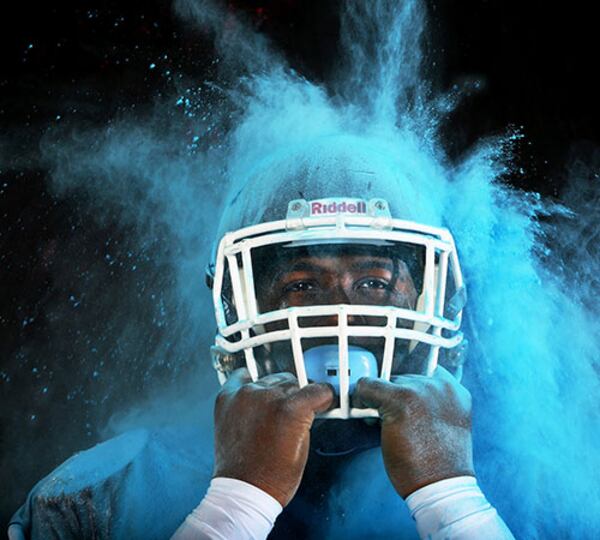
(322, 365)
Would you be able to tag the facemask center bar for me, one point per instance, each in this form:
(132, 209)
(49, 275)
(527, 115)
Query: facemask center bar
(343, 369)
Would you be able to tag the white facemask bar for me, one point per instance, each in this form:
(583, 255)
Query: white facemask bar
(428, 323)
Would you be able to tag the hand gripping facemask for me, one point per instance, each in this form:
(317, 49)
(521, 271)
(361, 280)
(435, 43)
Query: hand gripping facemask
(385, 335)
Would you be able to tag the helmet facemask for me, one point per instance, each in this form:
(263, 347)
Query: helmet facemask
(337, 295)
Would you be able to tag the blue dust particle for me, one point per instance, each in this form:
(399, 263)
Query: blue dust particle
(28, 321)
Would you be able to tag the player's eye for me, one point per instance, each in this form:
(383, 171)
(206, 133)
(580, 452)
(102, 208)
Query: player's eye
(372, 284)
(300, 286)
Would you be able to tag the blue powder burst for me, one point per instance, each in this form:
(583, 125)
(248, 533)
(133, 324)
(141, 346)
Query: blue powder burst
(534, 333)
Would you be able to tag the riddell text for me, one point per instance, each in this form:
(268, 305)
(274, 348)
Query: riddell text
(343, 207)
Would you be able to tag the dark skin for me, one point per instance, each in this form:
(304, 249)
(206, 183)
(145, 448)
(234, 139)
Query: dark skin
(269, 447)
(425, 421)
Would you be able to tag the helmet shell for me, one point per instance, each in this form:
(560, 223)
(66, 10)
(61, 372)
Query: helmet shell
(328, 167)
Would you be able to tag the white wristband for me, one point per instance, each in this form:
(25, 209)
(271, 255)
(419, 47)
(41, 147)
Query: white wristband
(456, 509)
(231, 510)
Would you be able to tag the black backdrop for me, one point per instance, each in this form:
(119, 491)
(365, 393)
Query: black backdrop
(86, 61)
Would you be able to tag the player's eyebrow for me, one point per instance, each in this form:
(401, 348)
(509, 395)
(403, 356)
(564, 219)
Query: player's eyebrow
(298, 266)
(372, 264)
(306, 266)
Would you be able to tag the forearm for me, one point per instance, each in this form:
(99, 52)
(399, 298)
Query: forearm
(456, 509)
(231, 510)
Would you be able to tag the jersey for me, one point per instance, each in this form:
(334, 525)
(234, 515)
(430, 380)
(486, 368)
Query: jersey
(144, 483)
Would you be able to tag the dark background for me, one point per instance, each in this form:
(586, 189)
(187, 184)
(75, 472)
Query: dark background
(85, 62)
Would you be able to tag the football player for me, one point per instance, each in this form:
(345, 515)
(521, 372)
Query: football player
(338, 303)
(332, 310)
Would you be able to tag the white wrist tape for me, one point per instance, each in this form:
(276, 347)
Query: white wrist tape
(231, 510)
(455, 509)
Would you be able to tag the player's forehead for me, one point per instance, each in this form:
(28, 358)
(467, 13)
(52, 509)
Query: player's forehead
(335, 257)
(329, 261)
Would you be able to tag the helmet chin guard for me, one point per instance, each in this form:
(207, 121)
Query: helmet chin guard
(331, 351)
(322, 365)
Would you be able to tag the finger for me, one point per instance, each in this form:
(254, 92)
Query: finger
(378, 393)
(236, 380)
(316, 397)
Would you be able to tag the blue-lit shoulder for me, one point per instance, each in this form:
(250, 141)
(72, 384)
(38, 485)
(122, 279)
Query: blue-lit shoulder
(118, 488)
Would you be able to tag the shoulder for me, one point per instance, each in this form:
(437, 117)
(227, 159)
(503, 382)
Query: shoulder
(115, 487)
(96, 465)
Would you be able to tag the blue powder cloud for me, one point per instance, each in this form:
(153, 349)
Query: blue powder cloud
(532, 319)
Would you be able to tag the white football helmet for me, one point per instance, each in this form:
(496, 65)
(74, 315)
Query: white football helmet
(332, 199)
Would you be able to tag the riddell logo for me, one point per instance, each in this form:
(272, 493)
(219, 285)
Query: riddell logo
(338, 207)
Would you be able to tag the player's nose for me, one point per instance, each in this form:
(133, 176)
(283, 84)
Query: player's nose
(339, 294)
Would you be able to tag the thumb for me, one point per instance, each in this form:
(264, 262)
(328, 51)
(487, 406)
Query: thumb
(371, 392)
(317, 397)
